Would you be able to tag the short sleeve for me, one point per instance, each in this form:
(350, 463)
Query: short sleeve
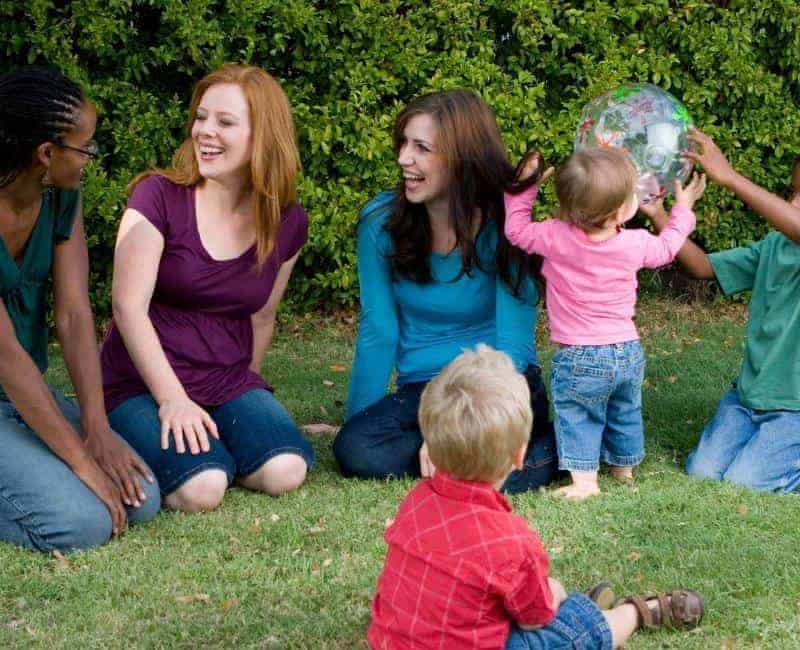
(736, 268)
(528, 598)
(149, 199)
(294, 231)
(65, 210)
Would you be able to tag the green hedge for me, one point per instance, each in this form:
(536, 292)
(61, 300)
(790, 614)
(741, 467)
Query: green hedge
(349, 65)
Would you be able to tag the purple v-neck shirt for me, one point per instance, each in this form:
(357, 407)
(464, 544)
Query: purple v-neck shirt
(201, 307)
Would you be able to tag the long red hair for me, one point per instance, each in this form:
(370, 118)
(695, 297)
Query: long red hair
(275, 161)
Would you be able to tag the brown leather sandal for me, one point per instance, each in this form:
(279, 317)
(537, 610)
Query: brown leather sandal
(682, 609)
(602, 594)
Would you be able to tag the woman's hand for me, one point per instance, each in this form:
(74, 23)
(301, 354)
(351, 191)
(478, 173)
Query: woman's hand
(120, 462)
(99, 483)
(187, 421)
(710, 158)
(426, 467)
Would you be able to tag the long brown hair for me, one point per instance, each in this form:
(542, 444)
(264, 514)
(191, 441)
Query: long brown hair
(275, 161)
(479, 170)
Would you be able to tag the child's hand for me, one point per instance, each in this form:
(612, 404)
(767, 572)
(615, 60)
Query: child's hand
(654, 210)
(558, 591)
(529, 171)
(686, 196)
(710, 158)
(529, 168)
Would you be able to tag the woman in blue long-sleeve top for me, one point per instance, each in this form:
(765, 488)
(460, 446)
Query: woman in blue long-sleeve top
(437, 276)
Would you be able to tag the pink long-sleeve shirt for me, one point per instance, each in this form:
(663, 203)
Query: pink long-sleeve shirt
(591, 285)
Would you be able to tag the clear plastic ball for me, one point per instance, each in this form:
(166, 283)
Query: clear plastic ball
(650, 125)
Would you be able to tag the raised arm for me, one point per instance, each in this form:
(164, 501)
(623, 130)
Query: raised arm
(378, 330)
(693, 259)
(663, 248)
(782, 215)
(519, 229)
(136, 259)
(264, 318)
(75, 330)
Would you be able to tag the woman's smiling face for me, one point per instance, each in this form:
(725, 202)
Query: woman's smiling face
(221, 132)
(423, 165)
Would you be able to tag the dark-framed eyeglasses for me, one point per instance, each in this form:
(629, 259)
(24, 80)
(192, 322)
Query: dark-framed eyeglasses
(91, 149)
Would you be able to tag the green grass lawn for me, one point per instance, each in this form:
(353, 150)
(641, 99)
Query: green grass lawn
(299, 571)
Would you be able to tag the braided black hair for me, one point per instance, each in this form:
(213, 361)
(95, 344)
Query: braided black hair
(36, 105)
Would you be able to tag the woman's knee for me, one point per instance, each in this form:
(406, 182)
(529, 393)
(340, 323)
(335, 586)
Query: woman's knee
(345, 450)
(85, 524)
(360, 454)
(204, 491)
(279, 475)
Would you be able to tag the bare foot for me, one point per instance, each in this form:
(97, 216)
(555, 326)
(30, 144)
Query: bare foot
(622, 474)
(577, 491)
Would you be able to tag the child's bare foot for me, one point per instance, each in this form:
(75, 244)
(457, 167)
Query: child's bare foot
(584, 485)
(577, 491)
(622, 474)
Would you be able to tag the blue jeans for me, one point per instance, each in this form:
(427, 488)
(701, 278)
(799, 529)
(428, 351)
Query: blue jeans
(384, 439)
(43, 505)
(253, 428)
(757, 449)
(597, 400)
(578, 625)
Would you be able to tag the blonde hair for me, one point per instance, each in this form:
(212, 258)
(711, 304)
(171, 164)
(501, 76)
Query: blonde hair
(593, 184)
(476, 415)
(275, 161)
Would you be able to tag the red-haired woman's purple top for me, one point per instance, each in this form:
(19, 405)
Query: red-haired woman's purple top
(201, 307)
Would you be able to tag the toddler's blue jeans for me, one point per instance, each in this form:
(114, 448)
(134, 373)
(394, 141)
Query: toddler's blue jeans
(597, 399)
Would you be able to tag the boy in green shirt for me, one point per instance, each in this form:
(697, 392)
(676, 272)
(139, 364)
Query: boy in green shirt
(754, 437)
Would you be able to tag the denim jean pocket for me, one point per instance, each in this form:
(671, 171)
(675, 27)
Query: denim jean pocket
(591, 384)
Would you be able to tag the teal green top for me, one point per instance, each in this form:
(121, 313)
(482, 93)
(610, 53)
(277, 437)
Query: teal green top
(770, 375)
(419, 328)
(24, 285)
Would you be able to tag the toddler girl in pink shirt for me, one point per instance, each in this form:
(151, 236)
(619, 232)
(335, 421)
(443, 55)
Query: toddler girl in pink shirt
(590, 266)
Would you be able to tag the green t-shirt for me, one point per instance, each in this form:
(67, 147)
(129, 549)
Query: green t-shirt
(24, 285)
(770, 375)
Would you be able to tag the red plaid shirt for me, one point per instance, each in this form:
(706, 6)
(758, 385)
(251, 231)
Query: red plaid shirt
(459, 569)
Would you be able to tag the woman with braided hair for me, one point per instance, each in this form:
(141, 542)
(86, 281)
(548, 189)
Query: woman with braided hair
(66, 479)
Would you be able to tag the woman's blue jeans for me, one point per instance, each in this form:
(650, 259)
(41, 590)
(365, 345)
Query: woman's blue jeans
(43, 505)
(384, 439)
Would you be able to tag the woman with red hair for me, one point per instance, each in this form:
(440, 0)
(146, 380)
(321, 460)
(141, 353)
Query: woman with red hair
(204, 252)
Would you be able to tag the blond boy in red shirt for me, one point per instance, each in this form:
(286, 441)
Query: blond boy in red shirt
(462, 571)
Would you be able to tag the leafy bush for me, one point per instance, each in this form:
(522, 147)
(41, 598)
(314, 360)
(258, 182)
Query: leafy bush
(349, 66)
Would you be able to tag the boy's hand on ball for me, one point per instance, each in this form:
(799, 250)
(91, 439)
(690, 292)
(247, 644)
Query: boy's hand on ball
(709, 156)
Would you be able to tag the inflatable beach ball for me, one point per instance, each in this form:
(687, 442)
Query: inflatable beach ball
(650, 125)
